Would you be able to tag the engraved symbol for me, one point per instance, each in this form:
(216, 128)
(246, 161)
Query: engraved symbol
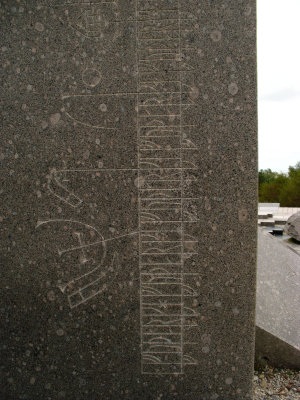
(100, 112)
(95, 267)
(57, 186)
(91, 77)
(88, 280)
(86, 17)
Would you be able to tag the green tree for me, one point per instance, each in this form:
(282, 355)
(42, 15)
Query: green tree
(290, 196)
(270, 192)
(280, 188)
(266, 176)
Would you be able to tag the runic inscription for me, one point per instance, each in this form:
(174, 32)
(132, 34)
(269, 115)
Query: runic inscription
(164, 240)
(164, 95)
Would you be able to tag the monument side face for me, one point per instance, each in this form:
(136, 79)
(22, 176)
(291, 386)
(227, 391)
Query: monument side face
(129, 226)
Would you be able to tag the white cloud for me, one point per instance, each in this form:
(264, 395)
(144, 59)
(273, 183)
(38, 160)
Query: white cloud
(278, 83)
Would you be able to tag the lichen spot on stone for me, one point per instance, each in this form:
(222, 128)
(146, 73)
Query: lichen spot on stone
(233, 88)
(39, 27)
(216, 36)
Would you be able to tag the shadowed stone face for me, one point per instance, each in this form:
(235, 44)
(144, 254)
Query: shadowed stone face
(130, 219)
(277, 310)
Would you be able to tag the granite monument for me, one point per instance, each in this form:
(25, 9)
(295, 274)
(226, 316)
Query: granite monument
(130, 201)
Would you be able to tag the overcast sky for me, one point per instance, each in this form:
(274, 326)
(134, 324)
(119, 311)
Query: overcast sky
(278, 39)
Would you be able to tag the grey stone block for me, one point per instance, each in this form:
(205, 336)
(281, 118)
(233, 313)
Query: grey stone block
(267, 223)
(130, 199)
(278, 299)
(268, 205)
(292, 226)
(279, 222)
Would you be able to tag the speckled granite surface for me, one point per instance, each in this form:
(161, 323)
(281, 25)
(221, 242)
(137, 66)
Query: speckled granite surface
(130, 205)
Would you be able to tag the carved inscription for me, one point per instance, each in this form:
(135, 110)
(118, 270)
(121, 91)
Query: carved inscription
(161, 102)
(86, 259)
(166, 209)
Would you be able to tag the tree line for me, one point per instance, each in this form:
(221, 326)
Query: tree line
(278, 187)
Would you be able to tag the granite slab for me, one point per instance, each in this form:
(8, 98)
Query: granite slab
(130, 199)
(278, 298)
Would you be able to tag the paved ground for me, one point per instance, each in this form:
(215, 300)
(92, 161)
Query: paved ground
(276, 384)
